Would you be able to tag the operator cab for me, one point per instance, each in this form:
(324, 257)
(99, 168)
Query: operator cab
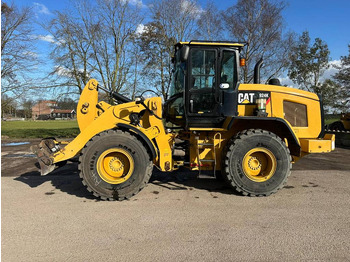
(204, 84)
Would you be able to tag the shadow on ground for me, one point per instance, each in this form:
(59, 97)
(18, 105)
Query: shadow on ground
(66, 179)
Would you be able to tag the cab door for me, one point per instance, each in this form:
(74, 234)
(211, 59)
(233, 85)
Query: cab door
(202, 97)
(228, 82)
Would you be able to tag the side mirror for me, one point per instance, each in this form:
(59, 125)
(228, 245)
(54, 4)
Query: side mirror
(224, 86)
(184, 52)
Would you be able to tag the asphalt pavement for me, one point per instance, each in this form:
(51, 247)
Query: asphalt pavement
(177, 217)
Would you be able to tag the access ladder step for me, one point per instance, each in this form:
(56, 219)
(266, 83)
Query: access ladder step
(207, 160)
(205, 144)
(206, 175)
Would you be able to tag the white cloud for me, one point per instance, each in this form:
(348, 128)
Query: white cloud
(31, 54)
(62, 71)
(140, 29)
(46, 38)
(41, 9)
(285, 81)
(327, 74)
(192, 8)
(137, 3)
(50, 39)
(331, 71)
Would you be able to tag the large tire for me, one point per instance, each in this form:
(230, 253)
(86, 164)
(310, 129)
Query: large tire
(338, 126)
(115, 165)
(256, 163)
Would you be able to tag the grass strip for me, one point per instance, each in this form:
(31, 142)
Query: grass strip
(40, 129)
(41, 133)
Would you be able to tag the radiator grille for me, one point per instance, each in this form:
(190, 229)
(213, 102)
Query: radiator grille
(295, 113)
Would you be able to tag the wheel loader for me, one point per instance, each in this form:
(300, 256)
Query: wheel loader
(341, 125)
(341, 129)
(249, 134)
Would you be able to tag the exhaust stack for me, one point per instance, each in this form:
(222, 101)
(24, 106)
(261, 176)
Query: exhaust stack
(257, 71)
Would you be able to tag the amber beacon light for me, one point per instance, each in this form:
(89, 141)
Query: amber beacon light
(242, 62)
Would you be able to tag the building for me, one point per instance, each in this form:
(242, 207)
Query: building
(47, 109)
(62, 114)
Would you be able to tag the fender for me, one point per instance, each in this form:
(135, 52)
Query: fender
(276, 125)
(148, 142)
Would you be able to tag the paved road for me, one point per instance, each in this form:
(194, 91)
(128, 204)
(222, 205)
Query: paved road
(176, 217)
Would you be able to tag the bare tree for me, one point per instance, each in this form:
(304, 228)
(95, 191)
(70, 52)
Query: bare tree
(137, 78)
(27, 105)
(172, 21)
(18, 58)
(210, 24)
(94, 39)
(71, 51)
(111, 27)
(156, 49)
(259, 23)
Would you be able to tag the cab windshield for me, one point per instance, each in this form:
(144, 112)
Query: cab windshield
(178, 81)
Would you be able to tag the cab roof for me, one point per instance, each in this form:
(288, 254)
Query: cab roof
(213, 43)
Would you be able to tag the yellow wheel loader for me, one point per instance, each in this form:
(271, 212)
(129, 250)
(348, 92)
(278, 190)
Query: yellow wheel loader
(341, 125)
(250, 134)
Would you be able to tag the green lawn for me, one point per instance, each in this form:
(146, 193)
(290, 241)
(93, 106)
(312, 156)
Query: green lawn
(39, 129)
(59, 128)
(331, 118)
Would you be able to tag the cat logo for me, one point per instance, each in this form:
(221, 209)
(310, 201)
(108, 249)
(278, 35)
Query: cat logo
(246, 98)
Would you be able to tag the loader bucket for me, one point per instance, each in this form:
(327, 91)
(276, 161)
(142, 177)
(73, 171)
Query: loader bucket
(44, 152)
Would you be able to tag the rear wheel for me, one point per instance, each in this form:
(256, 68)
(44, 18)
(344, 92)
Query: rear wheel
(256, 163)
(115, 165)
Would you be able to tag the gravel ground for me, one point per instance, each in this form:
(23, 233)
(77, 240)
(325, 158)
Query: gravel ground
(177, 217)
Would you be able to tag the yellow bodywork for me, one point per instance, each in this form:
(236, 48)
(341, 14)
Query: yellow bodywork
(279, 94)
(345, 119)
(94, 118)
(306, 136)
(327, 144)
(212, 44)
(206, 144)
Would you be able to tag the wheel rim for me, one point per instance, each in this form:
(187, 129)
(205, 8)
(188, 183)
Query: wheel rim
(115, 165)
(259, 164)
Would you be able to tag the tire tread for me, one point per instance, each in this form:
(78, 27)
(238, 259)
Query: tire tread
(231, 145)
(147, 176)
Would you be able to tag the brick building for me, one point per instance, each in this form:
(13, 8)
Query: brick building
(47, 109)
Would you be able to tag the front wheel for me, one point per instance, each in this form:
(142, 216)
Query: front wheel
(256, 163)
(115, 165)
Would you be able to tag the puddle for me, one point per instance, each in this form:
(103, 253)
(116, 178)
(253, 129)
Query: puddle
(15, 144)
(19, 155)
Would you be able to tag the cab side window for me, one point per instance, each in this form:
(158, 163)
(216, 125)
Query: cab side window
(228, 68)
(203, 69)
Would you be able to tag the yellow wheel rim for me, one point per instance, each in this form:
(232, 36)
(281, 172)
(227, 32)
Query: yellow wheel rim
(259, 164)
(115, 165)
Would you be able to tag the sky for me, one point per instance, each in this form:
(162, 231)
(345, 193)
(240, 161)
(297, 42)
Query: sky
(325, 19)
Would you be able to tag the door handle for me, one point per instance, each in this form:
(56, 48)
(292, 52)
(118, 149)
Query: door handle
(191, 105)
